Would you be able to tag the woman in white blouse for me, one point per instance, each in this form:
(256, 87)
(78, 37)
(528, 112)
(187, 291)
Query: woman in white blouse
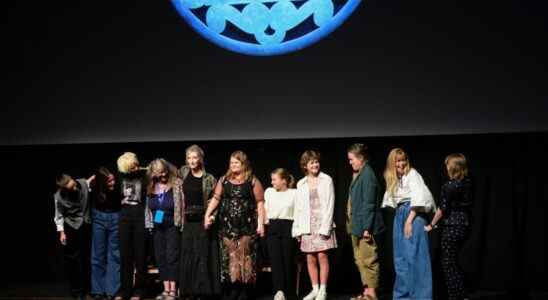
(409, 195)
(279, 204)
(313, 224)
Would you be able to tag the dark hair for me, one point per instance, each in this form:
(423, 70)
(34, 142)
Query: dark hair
(101, 179)
(62, 179)
(308, 156)
(359, 150)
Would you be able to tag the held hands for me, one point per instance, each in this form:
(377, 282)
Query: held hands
(208, 220)
(260, 230)
(62, 238)
(367, 236)
(408, 229)
(428, 228)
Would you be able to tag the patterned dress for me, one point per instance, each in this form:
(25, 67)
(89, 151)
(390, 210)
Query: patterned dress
(315, 242)
(237, 228)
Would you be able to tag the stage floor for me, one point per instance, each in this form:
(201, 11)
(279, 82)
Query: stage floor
(57, 292)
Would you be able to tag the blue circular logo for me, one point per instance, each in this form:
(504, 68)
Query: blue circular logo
(265, 27)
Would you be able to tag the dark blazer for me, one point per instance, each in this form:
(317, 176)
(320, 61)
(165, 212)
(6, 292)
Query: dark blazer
(365, 195)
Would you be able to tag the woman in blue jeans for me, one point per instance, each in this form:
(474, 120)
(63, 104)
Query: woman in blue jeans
(409, 195)
(105, 254)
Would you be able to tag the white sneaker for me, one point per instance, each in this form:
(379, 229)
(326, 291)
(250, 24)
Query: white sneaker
(322, 295)
(279, 296)
(311, 296)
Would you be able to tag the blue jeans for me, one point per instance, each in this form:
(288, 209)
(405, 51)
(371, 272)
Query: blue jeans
(105, 253)
(411, 258)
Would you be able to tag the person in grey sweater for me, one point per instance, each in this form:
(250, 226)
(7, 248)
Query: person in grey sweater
(72, 220)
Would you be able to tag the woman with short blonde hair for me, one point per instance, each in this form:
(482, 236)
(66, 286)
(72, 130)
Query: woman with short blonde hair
(455, 215)
(133, 189)
(199, 276)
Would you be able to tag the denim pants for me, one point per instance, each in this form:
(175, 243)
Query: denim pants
(411, 258)
(105, 253)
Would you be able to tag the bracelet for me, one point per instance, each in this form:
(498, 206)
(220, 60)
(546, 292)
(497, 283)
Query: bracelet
(434, 226)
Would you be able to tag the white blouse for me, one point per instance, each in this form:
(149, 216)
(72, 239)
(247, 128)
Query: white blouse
(279, 205)
(410, 187)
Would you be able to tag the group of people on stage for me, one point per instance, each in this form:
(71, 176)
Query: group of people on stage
(206, 231)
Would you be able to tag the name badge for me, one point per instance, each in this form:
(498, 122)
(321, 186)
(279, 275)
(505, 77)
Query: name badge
(159, 217)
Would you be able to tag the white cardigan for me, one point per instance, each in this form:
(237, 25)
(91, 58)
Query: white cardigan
(301, 217)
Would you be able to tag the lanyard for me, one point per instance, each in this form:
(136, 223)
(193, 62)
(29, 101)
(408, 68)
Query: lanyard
(161, 198)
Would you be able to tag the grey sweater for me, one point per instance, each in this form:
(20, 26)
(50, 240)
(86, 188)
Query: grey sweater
(73, 211)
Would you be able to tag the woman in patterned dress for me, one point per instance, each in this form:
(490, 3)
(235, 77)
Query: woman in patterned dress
(240, 197)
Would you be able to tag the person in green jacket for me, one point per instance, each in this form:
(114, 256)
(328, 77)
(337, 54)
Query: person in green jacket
(364, 219)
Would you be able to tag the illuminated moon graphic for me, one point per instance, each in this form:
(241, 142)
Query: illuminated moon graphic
(265, 27)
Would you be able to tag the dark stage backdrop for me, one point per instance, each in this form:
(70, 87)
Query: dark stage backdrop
(506, 252)
(132, 71)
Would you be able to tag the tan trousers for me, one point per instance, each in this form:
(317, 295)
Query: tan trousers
(367, 261)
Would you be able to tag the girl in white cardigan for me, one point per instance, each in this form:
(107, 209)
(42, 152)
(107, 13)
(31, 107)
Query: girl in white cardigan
(313, 221)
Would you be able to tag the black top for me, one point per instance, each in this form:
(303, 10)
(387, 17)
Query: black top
(106, 201)
(456, 202)
(193, 190)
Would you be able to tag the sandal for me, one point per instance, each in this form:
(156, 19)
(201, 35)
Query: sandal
(162, 296)
(171, 295)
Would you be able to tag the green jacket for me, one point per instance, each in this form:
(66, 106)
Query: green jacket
(208, 184)
(365, 194)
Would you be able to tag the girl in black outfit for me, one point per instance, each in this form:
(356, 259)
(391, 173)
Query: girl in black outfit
(132, 185)
(455, 215)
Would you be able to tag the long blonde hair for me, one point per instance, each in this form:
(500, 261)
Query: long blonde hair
(171, 173)
(241, 157)
(390, 173)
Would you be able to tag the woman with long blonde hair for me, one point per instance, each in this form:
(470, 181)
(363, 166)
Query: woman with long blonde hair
(165, 210)
(408, 194)
(240, 197)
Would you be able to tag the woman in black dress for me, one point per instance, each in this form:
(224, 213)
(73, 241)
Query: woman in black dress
(199, 276)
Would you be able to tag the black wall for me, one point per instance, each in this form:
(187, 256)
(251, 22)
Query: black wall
(132, 71)
(505, 252)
